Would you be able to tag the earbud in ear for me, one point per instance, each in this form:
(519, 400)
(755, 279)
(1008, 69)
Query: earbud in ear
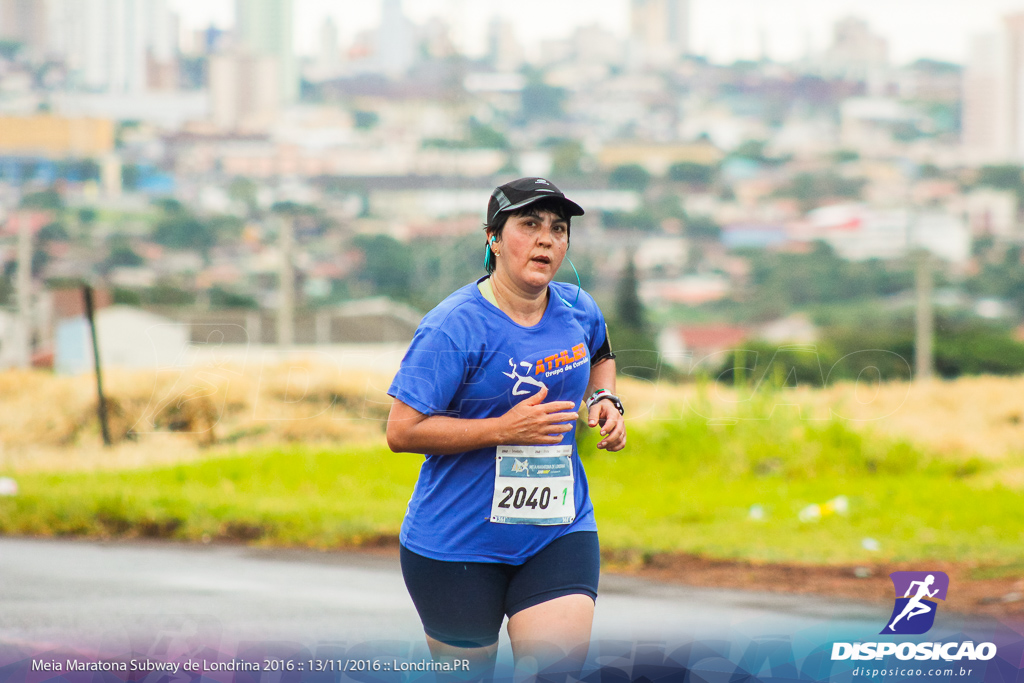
(487, 253)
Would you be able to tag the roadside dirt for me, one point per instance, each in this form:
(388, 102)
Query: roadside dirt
(999, 597)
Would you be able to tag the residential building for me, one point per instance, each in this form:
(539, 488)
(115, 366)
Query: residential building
(55, 136)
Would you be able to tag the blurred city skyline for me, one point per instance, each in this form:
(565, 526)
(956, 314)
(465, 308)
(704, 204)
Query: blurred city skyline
(722, 31)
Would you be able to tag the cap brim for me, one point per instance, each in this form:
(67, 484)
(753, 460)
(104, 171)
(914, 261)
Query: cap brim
(574, 208)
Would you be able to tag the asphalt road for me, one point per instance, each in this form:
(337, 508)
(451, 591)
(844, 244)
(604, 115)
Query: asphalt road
(100, 596)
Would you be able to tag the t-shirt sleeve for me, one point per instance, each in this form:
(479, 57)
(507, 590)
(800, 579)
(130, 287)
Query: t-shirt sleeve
(431, 373)
(595, 326)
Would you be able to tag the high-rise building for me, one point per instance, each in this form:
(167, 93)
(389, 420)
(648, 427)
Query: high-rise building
(856, 53)
(244, 94)
(660, 29)
(25, 22)
(993, 107)
(265, 28)
(503, 50)
(396, 40)
(161, 45)
(330, 44)
(115, 46)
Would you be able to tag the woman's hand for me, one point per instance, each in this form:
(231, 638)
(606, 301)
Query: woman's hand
(612, 423)
(529, 423)
(534, 423)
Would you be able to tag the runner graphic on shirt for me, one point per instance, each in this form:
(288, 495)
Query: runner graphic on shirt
(516, 391)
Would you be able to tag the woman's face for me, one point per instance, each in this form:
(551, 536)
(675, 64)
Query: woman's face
(531, 249)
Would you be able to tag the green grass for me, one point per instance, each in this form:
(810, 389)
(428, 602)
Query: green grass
(680, 486)
(686, 486)
(291, 496)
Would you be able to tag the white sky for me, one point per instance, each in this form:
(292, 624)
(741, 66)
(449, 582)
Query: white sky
(723, 30)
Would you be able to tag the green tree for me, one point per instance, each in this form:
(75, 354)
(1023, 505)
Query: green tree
(811, 188)
(225, 298)
(244, 191)
(628, 332)
(123, 256)
(130, 176)
(227, 229)
(168, 295)
(629, 310)
(692, 173)
(387, 264)
(169, 205)
(643, 219)
(751, 149)
(566, 156)
(46, 200)
(630, 177)
(1003, 177)
(9, 49)
(365, 120)
(53, 232)
(184, 231)
(482, 136)
(542, 101)
(703, 228)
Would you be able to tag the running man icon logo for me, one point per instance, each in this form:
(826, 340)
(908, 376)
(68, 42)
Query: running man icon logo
(914, 612)
(520, 465)
(517, 390)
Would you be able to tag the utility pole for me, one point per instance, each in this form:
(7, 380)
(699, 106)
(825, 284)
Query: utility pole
(23, 327)
(286, 308)
(101, 405)
(924, 328)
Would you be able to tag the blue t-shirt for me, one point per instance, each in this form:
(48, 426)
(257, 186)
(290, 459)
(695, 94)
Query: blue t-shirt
(466, 360)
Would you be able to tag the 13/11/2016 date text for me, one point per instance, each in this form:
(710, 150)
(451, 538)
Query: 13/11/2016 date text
(364, 665)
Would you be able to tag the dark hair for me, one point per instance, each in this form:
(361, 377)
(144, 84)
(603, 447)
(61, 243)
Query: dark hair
(553, 205)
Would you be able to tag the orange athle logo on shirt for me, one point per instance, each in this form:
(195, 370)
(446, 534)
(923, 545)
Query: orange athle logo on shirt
(578, 352)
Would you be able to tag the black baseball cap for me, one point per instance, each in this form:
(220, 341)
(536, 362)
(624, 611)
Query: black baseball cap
(523, 192)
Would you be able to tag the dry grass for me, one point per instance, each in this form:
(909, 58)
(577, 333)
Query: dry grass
(971, 416)
(49, 422)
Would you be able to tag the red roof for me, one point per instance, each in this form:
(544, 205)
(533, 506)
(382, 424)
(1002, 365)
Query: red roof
(711, 336)
(70, 302)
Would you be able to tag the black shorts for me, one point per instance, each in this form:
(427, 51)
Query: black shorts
(463, 603)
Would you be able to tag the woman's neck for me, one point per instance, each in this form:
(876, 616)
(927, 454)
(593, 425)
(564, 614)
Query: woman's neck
(525, 307)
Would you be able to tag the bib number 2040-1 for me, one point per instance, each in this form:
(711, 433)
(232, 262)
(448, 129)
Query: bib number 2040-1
(533, 485)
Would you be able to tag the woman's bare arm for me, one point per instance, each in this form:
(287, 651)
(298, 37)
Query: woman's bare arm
(530, 422)
(604, 413)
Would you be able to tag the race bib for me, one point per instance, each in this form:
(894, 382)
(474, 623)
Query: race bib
(533, 485)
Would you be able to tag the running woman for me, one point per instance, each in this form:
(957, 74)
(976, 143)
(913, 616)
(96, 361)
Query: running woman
(500, 522)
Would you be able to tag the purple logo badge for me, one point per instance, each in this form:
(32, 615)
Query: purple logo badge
(916, 592)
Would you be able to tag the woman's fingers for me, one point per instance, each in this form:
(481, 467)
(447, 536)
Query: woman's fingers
(613, 429)
(536, 398)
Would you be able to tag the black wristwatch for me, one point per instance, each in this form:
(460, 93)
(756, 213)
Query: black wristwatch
(605, 395)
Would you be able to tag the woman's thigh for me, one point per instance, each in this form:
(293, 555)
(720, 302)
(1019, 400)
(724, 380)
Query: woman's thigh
(569, 565)
(461, 604)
